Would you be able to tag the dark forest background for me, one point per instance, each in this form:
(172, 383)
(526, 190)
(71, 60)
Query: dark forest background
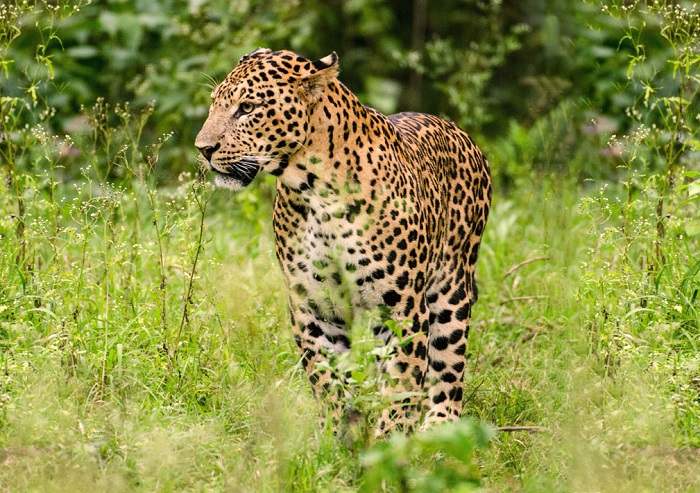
(499, 68)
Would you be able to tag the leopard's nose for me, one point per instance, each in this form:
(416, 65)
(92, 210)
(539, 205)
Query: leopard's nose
(208, 151)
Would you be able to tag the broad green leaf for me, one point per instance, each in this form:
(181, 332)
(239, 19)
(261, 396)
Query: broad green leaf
(358, 376)
(692, 228)
(694, 188)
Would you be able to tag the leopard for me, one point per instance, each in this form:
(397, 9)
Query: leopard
(371, 213)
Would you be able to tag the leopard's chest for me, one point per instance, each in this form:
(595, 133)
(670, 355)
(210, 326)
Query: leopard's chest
(335, 261)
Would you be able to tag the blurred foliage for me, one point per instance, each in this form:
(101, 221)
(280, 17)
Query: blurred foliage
(543, 81)
(431, 461)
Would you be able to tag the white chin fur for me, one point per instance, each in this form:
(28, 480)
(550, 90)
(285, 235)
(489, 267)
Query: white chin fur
(228, 182)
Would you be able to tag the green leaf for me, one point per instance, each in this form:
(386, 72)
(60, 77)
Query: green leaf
(692, 228)
(358, 376)
(694, 188)
(403, 342)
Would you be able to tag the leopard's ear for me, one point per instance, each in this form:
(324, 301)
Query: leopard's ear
(326, 71)
(327, 62)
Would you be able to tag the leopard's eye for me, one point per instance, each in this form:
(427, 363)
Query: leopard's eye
(246, 108)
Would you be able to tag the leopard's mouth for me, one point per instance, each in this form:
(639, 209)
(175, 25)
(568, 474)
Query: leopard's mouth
(235, 175)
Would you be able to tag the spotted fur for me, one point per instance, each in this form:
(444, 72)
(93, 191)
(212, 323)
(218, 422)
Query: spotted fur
(371, 212)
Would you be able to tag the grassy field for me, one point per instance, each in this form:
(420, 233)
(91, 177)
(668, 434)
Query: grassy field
(144, 337)
(146, 347)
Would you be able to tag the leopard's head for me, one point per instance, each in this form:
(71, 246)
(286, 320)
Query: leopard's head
(259, 117)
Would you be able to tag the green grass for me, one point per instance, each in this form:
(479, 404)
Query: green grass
(145, 343)
(105, 387)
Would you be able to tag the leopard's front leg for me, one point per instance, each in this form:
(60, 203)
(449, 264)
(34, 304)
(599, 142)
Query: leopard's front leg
(316, 339)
